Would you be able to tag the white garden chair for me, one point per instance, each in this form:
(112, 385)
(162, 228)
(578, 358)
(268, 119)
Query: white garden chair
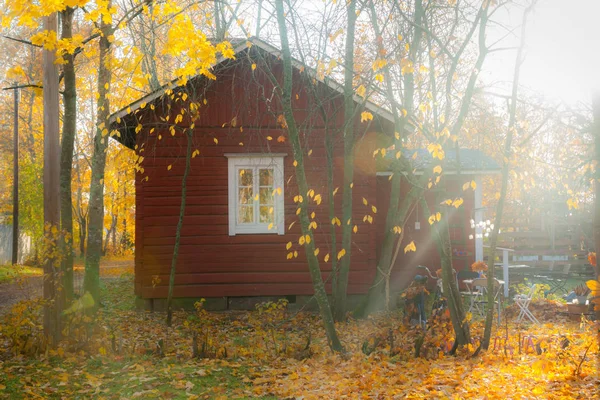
(523, 301)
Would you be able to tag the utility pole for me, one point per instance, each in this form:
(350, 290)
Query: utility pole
(15, 230)
(52, 292)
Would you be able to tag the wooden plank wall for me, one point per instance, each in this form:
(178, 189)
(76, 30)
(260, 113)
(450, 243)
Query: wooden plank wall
(211, 263)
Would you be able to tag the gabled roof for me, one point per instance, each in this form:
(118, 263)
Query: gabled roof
(240, 46)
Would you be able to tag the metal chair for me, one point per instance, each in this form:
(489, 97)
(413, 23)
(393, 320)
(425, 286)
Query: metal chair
(523, 301)
(480, 298)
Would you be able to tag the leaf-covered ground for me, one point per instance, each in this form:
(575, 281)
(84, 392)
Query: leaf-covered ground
(275, 353)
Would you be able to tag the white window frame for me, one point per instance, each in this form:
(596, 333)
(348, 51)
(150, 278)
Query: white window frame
(237, 161)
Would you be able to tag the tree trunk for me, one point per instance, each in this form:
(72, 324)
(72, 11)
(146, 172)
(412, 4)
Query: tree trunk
(91, 282)
(596, 111)
(52, 293)
(396, 216)
(487, 333)
(82, 235)
(309, 247)
(188, 161)
(441, 233)
(397, 212)
(342, 280)
(66, 155)
(331, 204)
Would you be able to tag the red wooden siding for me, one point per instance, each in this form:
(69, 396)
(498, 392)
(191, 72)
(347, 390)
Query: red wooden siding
(463, 248)
(241, 113)
(211, 263)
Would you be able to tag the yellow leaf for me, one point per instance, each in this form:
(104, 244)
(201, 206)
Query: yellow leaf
(290, 227)
(295, 254)
(216, 140)
(307, 239)
(302, 240)
(438, 216)
(298, 211)
(457, 203)
(295, 163)
(398, 154)
(335, 190)
(361, 91)
(169, 167)
(341, 253)
(355, 229)
(410, 247)
(365, 202)
(326, 257)
(312, 215)
(316, 252)
(397, 230)
(270, 226)
(593, 285)
(431, 219)
(318, 199)
(288, 245)
(465, 186)
(374, 209)
(269, 137)
(290, 255)
(437, 169)
(253, 66)
(473, 185)
(366, 116)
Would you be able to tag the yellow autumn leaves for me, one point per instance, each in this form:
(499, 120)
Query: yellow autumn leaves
(434, 218)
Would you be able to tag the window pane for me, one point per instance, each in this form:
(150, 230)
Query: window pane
(266, 177)
(266, 214)
(245, 195)
(266, 195)
(245, 214)
(245, 177)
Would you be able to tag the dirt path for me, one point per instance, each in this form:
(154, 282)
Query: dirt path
(32, 287)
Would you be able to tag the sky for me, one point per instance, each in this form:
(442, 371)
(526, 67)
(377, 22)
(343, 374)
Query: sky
(562, 51)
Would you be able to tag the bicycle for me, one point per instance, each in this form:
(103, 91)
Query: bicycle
(417, 289)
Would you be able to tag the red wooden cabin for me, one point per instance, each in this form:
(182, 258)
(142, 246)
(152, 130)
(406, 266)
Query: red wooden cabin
(241, 209)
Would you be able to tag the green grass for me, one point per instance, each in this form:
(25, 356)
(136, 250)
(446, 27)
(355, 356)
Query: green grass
(143, 378)
(9, 272)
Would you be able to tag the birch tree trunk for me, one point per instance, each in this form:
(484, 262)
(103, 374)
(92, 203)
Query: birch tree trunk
(188, 161)
(485, 342)
(91, 282)
(313, 262)
(52, 293)
(66, 155)
(344, 270)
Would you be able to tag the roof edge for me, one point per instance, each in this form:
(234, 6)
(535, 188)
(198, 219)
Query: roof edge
(237, 49)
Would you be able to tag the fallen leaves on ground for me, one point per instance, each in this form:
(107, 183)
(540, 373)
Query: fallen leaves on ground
(274, 352)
